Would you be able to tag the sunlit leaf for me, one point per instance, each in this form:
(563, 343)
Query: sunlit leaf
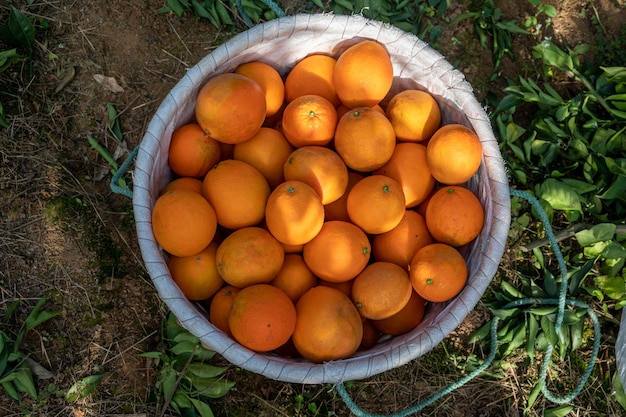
(560, 411)
(559, 195)
(83, 387)
(597, 233)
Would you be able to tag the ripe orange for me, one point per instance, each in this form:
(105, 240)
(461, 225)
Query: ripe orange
(196, 275)
(381, 290)
(400, 243)
(370, 335)
(183, 222)
(404, 320)
(294, 213)
(376, 204)
(312, 75)
(309, 120)
(338, 210)
(184, 183)
(294, 278)
(319, 167)
(454, 215)
(230, 108)
(438, 272)
(363, 74)
(270, 82)
(220, 306)
(339, 252)
(343, 286)
(408, 166)
(328, 325)
(192, 153)
(250, 255)
(454, 154)
(414, 114)
(365, 139)
(238, 192)
(262, 317)
(267, 151)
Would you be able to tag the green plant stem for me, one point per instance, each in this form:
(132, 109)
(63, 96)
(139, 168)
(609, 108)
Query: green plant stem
(591, 89)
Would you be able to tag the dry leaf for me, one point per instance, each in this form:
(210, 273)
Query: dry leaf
(109, 83)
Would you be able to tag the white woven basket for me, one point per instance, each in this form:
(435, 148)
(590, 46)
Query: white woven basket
(281, 43)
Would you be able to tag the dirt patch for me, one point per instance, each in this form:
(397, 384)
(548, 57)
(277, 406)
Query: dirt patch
(65, 235)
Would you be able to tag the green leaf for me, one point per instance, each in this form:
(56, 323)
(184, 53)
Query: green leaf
(183, 348)
(83, 388)
(204, 370)
(554, 56)
(481, 333)
(616, 190)
(559, 195)
(549, 10)
(218, 389)
(576, 332)
(35, 318)
(203, 408)
(186, 337)
(549, 330)
(519, 336)
(560, 411)
(176, 7)
(618, 390)
(151, 355)
(532, 397)
(597, 233)
(24, 382)
(613, 287)
(21, 29)
(8, 58)
(533, 329)
(10, 390)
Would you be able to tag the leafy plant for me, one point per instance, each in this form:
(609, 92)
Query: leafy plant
(223, 12)
(186, 381)
(406, 15)
(15, 374)
(489, 24)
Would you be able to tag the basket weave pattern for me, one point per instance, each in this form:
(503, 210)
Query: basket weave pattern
(281, 43)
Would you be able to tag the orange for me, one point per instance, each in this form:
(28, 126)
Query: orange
(343, 109)
(262, 317)
(309, 120)
(339, 252)
(421, 207)
(454, 154)
(192, 153)
(438, 272)
(292, 248)
(230, 108)
(196, 275)
(250, 255)
(454, 215)
(312, 75)
(267, 151)
(238, 192)
(363, 74)
(414, 114)
(376, 204)
(319, 167)
(328, 325)
(404, 320)
(294, 278)
(294, 213)
(183, 222)
(408, 166)
(270, 82)
(365, 139)
(184, 183)
(370, 335)
(337, 210)
(381, 290)
(220, 305)
(400, 243)
(343, 286)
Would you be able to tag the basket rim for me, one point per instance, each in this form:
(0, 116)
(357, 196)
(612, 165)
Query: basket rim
(386, 355)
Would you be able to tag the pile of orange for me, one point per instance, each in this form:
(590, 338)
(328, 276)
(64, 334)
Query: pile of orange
(315, 212)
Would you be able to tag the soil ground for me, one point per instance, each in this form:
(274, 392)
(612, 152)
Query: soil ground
(66, 236)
